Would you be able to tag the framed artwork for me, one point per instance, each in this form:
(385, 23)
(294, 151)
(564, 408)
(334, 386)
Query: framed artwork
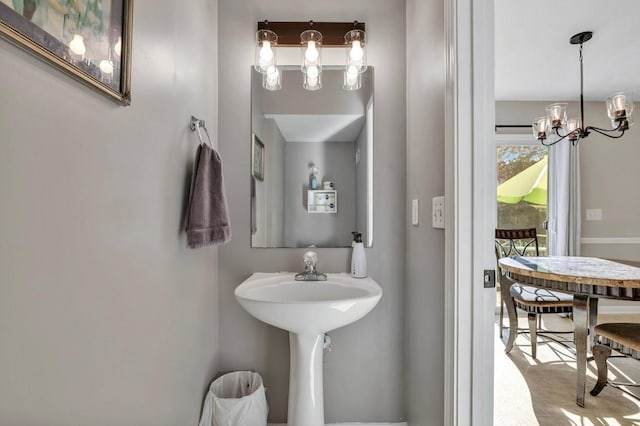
(257, 158)
(88, 39)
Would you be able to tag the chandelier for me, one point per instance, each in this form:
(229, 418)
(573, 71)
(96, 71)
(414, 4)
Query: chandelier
(555, 126)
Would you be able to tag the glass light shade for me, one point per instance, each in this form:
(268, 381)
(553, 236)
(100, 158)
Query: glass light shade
(311, 41)
(540, 128)
(356, 52)
(573, 125)
(352, 79)
(626, 123)
(266, 41)
(312, 78)
(77, 47)
(619, 107)
(557, 114)
(272, 80)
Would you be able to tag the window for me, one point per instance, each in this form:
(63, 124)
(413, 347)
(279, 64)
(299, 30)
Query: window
(522, 186)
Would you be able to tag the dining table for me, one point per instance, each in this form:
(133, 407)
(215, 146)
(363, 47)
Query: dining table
(588, 279)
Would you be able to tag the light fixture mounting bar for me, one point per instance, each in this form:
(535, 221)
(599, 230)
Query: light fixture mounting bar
(332, 32)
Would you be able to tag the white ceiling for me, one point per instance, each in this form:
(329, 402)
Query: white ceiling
(534, 60)
(319, 127)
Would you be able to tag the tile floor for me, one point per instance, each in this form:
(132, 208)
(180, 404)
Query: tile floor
(530, 392)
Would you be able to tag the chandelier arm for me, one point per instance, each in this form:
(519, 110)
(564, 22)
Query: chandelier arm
(562, 137)
(605, 132)
(542, 141)
(617, 129)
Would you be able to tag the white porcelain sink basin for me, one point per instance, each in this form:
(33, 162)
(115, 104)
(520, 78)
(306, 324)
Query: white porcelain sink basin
(310, 307)
(307, 309)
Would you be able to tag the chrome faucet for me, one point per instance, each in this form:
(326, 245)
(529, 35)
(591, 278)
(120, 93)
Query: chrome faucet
(310, 273)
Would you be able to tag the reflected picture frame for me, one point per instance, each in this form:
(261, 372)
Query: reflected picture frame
(89, 40)
(257, 158)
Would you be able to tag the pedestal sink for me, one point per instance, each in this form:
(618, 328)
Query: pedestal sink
(307, 309)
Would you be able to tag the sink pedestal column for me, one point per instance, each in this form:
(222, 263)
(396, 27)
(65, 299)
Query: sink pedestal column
(306, 399)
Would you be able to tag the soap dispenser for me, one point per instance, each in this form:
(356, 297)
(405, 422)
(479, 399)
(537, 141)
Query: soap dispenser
(313, 178)
(358, 259)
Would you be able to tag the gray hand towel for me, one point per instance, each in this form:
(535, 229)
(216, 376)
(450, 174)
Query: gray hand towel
(207, 218)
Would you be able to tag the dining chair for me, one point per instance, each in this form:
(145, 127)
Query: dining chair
(619, 336)
(533, 300)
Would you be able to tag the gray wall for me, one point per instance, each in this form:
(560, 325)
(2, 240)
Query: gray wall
(610, 175)
(425, 179)
(335, 162)
(106, 318)
(367, 362)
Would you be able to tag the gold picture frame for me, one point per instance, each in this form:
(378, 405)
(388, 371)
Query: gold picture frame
(89, 40)
(257, 158)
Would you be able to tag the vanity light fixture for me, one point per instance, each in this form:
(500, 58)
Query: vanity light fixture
(311, 41)
(266, 41)
(311, 37)
(356, 60)
(555, 127)
(272, 80)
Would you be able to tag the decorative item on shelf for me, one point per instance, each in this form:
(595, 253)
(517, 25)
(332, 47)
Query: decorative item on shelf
(312, 37)
(555, 126)
(327, 184)
(313, 177)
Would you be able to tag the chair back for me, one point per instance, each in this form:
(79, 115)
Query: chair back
(515, 242)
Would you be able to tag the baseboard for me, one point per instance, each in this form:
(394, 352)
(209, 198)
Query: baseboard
(610, 240)
(351, 424)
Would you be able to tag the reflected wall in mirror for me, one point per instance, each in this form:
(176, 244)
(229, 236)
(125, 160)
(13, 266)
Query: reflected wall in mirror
(318, 162)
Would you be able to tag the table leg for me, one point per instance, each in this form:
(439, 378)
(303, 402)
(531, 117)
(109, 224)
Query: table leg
(505, 292)
(593, 320)
(580, 321)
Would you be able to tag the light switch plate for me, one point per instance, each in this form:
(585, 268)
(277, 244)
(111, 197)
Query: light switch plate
(415, 212)
(437, 214)
(594, 214)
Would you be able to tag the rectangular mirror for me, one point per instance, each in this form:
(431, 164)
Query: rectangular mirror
(311, 161)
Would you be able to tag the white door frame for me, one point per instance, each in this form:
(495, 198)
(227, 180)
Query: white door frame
(469, 153)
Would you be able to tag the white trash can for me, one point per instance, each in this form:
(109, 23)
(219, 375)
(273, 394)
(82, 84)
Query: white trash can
(235, 399)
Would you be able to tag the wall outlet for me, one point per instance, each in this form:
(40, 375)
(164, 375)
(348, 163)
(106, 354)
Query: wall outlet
(437, 214)
(415, 212)
(594, 214)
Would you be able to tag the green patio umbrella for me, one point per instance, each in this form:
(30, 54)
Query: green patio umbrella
(529, 185)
